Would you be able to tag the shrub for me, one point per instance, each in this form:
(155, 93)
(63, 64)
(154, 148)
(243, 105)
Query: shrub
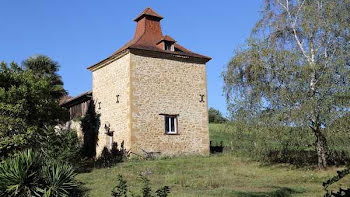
(215, 116)
(342, 192)
(29, 103)
(163, 192)
(90, 125)
(121, 189)
(58, 180)
(29, 174)
(111, 157)
(63, 147)
(146, 189)
(19, 176)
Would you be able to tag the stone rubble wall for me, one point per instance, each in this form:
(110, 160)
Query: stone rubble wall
(162, 86)
(108, 82)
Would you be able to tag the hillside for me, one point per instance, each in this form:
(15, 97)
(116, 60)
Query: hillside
(217, 175)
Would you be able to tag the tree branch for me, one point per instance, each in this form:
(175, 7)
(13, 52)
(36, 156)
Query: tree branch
(296, 37)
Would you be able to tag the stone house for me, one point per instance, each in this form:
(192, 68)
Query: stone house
(151, 94)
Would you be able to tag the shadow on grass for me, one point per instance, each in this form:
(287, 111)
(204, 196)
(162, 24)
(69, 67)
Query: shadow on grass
(280, 192)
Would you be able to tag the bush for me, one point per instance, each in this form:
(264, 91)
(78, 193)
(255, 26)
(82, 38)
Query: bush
(63, 147)
(121, 189)
(111, 157)
(215, 116)
(341, 192)
(29, 174)
(19, 176)
(29, 103)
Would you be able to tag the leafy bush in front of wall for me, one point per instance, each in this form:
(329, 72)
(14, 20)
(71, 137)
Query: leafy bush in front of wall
(111, 157)
(121, 189)
(90, 125)
(63, 146)
(29, 174)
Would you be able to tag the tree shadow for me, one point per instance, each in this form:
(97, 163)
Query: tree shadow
(279, 192)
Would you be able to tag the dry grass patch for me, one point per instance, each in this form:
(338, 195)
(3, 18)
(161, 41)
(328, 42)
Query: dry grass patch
(218, 175)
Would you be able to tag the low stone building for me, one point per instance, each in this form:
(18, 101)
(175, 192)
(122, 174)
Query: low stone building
(151, 94)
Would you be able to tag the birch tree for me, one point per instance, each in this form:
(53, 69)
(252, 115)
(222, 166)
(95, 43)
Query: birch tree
(295, 67)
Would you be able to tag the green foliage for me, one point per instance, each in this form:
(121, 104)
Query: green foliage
(63, 146)
(340, 174)
(90, 125)
(279, 144)
(163, 192)
(58, 180)
(146, 189)
(215, 116)
(111, 157)
(20, 176)
(29, 174)
(29, 99)
(294, 69)
(121, 189)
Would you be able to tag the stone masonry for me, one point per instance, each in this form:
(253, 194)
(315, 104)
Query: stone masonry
(148, 79)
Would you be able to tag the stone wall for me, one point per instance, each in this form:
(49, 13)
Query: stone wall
(108, 82)
(162, 86)
(72, 125)
(147, 88)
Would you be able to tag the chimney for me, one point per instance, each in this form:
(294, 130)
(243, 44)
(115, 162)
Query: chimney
(148, 30)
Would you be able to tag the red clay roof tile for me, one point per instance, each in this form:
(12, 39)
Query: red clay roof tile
(148, 35)
(148, 12)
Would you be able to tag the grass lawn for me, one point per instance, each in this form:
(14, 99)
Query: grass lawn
(216, 175)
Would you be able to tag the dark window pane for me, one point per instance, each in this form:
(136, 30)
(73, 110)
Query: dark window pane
(172, 124)
(166, 124)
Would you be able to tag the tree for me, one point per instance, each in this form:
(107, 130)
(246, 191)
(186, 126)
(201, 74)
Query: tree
(90, 125)
(29, 97)
(215, 116)
(295, 67)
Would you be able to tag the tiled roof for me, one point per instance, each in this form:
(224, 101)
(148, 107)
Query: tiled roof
(167, 38)
(77, 99)
(149, 12)
(147, 36)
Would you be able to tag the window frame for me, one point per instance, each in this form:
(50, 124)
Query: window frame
(168, 117)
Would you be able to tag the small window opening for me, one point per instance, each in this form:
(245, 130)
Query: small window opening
(170, 124)
(168, 46)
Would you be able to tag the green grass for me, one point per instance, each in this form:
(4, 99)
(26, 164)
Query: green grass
(227, 174)
(217, 175)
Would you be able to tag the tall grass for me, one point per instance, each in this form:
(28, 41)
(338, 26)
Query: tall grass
(279, 144)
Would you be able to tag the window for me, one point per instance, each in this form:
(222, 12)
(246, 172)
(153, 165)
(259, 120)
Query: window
(170, 124)
(168, 46)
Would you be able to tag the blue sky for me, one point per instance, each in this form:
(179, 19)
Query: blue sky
(79, 33)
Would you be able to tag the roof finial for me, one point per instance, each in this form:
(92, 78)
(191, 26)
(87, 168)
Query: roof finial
(150, 13)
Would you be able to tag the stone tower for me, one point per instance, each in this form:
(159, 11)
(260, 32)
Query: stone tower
(152, 94)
